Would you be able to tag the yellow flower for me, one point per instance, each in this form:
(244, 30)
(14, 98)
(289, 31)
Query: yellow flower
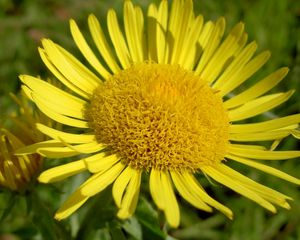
(158, 104)
(16, 172)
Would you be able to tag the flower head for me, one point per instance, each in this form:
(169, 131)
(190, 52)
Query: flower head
(16, 172)
(158, 105)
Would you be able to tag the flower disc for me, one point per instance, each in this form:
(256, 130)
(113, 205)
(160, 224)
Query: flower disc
(160, 116)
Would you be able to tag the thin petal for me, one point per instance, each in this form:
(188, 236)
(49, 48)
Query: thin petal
(57, 100)
(100, 162)
(236, 66)
(70, 150)
(70, 67)
(86, 50)
(187, 194)
(68, 83)
(179, 23)
(155, 190)
(161, 31)
(261, 136)
(263, 191)
(34, 147)
(52, 113)
(61, 172)
(140, 24)
(102, 180)
(203, 41)
(212, 35)
(249, 69)
(188, 53)
(133, 34)
(66, 137)
(258, 89)
(222, 54)
(265, 168)
(151, 33)
(196, 188)
(121, 183)
(117, 39)
(102, 44)
(266, 125)
(262, 154)
(171, 206)
(129, 200)
(259, 105)
(75, 201)
(226, 180)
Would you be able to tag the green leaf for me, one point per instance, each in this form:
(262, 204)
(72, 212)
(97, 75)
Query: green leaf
(133, 227)
(100, 212)
(26, 232)
(117, 234)
(148, 218)
(49, 228)
(12, 197)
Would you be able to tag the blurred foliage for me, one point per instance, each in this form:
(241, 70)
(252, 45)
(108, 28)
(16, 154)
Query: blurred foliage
(274, 24)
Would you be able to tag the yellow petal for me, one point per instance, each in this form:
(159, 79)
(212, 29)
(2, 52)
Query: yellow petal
(102, 44)
(133, 34)
(187, 193)
(267, 193)
(102, 180)
(258, 89)
(236, 66)
(70, 150)
(249, 69)
(151, 33)
(68, 83)
(188, 53)
(262, 154)
(212, 37)
(260, 136)
(179, 23)
(66, 137)
(226, 180)
(120, 185)
(248, 146)
(70, 67)
(100, 162)
(196, 188)
(139, 16)
(259, 105)
(129, 200)
(34, 147)
(265, 168)
(56, 99)
(171, 206)
(161, 31)
(61, 172)
(51, 113)
(86, 50)
(117, 39)
(203, 41)
(222, 54)
(266, 125)
(155, 188)
(75, 201)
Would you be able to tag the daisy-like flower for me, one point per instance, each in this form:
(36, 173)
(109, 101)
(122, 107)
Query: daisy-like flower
(16, 172)
(158, 103)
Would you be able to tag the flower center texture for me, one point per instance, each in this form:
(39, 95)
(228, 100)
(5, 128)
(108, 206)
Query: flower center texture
(160, 116)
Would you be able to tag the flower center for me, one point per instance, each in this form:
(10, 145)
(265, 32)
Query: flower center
(160, 116)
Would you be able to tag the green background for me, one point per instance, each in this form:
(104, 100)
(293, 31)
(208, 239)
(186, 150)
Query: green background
(274, 24)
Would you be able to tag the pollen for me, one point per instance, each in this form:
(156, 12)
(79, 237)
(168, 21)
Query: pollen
(160, 116)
